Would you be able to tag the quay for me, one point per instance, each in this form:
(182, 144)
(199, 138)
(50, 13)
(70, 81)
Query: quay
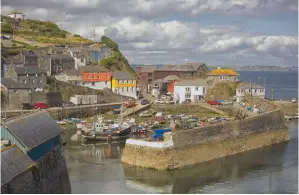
(183, 148)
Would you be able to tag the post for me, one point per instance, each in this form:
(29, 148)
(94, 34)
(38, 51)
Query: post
(272, 94)
(250, 87)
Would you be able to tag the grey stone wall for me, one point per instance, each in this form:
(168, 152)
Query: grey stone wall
(270, 121)
(16, 98)
(48, 176)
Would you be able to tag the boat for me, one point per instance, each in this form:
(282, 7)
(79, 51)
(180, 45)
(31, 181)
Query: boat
(61, 122)
(107, 130)
(116, 109)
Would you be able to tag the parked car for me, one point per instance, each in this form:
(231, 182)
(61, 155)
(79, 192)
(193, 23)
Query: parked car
(26, 106)
(68, 104)
(144, 101)
(40, 105)
(129, 104)
(225, 102)
(213, 103)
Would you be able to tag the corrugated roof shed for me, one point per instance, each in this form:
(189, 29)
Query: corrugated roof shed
(33, 129)
(13, 163)
(123, 75)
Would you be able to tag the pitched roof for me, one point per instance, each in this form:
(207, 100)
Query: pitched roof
(170, 78)
(96, 68)
(191, 82)
(13, 163)
(13, 60)
(12, 84)
(74, 49)
(148, 68)
(223, 71)
(61, 56)
(28, 70)
(181, 67)
(71, 72)
(33, 129)
(122, 75)
(245, 85)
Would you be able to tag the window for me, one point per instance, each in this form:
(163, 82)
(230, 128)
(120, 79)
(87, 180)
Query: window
(150, 80)
(82, 60)
(187, 96)
(255, 90)
(204, 90)
(35, 75)
(196, 88)
(187, 89)
(32, 81)
(132, 88)
(127, 89)
(28, 90)
(40, 81)
(60, 68)
(150, 74)
(83, 83)
(106, 82)
(106, 75)
(134, 81)
(125, 81)
(99, 76)
(122, 89)
(249, 90)
(92, 83)
(120, 81)
(129, 81)
(15, 91)
(24, 81)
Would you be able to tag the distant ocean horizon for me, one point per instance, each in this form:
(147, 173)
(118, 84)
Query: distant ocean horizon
(283, 83)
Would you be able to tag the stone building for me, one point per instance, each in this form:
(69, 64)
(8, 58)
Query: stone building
(70, 76)
(33, 76)
(32, 161)
(15, 92)
(79, 57)
(60, 63)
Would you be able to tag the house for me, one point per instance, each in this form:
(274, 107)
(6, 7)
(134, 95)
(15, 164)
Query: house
(60, 63)
(96, 77)
(70, 76)
(35, 134)
(190, 89)
(17, 15)
(79, 57)
(104, 50)
(33, 76)
(223, 75)
(149, 74)
(249, 89)
(7, 63)
(15, 92)
(124, 83)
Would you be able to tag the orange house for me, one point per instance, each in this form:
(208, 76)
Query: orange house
(96, 77)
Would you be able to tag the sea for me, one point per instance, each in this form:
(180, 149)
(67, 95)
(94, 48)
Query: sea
(96, 167)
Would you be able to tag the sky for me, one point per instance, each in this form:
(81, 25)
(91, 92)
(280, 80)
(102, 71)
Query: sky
(215, 32)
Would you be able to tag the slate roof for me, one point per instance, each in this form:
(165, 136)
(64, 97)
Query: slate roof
(181, 67)
(12, 84)
(123, 75)
(170, 78)
(148, 68)
(13, 163)
(33, 129)
(28, 70)
(74, 49)
(61, 56)
(71, 72)
(13, 60)
(191, 82)
(97, 68)
(245, 85)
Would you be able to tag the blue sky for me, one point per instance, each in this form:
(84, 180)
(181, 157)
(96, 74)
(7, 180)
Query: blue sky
(217, 32)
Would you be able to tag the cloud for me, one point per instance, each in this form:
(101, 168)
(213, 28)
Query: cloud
(143, 38)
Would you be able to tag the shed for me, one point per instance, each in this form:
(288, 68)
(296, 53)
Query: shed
(13, 163)
(35, 134)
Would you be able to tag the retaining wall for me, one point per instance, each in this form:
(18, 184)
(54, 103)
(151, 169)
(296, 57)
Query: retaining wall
(210, 142)
(48, 176)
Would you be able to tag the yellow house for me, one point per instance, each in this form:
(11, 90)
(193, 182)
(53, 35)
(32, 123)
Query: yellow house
(124, 83)
(223, 75)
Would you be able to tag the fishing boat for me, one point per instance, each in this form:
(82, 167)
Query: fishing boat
(106, 130)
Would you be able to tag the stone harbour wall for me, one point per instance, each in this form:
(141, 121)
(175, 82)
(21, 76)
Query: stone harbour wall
(48, 176)
(207, 143)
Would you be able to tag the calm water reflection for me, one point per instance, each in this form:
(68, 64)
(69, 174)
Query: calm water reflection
(96, 168)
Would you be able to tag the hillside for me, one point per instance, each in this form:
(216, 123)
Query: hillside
(117, 60)
(222, 91)
(39, 33)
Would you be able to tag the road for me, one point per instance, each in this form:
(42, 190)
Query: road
(65, 108)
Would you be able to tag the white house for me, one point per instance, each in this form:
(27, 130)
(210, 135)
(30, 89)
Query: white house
(250, 89)
(190, 89)
(17, 15)
(77, 54)
(70, 76)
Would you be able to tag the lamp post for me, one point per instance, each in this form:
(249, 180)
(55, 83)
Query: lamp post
(250, 87)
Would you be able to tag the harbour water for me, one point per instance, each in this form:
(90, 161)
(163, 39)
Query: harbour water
(96, 168)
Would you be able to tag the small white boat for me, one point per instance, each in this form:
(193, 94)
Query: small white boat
(61, 122)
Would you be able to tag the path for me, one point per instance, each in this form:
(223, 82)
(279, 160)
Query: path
(135, 109)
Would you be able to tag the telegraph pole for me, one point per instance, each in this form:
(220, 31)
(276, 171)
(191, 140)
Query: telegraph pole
(250, 87)
(94, 35)
(272, 94)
